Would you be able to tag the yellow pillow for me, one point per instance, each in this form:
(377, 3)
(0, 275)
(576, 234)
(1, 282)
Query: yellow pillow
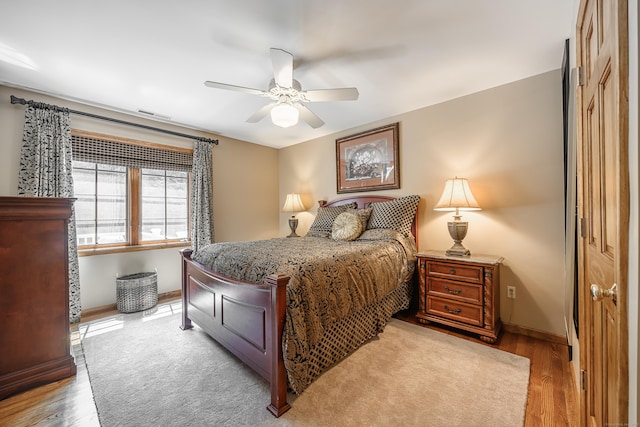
(346, 226)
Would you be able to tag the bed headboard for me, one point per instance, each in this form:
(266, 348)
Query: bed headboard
(363, 201)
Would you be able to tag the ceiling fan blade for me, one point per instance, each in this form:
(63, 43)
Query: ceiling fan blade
(282, 62)
(309, 116)
(324, 95)
(261, 113)
(225, 86)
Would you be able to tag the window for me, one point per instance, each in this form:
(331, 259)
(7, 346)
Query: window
(165, 205)
(123, 203)
(102, 203)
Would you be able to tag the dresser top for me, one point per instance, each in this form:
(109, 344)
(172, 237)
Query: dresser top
(479, 258)
(34, 208)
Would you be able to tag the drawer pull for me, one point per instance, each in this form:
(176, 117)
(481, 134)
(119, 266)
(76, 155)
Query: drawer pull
(452, 271)
(452, 291)
(456, 311)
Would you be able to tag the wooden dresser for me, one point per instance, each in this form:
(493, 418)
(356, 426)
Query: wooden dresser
(463, 292)
(34, 293)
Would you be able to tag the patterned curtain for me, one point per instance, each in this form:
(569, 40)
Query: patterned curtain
(45, 171)
(201, 195)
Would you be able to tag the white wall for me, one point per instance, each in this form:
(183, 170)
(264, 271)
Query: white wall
(244, 207)
(508, 142)
(98, 273)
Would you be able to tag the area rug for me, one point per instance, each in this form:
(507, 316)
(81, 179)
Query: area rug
(141, 368)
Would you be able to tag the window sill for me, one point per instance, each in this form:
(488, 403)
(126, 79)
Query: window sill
(136, 248)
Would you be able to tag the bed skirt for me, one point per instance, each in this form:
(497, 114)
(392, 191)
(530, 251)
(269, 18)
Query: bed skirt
(344, 337)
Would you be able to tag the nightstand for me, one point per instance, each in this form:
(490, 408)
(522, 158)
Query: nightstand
(462, 292)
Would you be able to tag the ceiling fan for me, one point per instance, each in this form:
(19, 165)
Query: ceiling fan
(287, 95)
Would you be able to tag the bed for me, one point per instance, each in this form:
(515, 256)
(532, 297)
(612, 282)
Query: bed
(291, 308)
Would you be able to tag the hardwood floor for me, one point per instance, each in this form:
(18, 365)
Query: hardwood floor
(65, 403)
(553, 399)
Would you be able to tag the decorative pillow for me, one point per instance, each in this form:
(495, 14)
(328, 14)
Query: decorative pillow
(381, 234)
(315, 233)
(346, 226)
(395, 214)
(363, 214)
(326, 215)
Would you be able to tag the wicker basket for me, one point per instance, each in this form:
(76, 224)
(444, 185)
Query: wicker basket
(137, 292)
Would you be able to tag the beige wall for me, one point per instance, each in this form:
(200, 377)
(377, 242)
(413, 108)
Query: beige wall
(244, 207)
(508, 142)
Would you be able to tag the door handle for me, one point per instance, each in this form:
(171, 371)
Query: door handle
(597, 293)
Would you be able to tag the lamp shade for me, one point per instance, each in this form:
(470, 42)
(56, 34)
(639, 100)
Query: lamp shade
(293, 203)
(457, 195)
(284, 115)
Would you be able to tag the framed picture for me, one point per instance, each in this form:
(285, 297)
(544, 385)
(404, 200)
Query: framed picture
(368, 161)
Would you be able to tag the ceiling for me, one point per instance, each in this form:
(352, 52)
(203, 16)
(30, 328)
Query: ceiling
(155, 55)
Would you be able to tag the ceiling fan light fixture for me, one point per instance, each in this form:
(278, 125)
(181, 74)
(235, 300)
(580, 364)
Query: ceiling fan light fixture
(288, 98)
(284, 115)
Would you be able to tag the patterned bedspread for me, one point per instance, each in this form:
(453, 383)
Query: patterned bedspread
(330, 281)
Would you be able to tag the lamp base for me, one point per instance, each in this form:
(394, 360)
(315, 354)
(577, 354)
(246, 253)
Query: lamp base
(457, 231)
(293, 224)
(458, 250)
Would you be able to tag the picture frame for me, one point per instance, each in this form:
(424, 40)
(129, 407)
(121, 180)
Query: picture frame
(368, 161)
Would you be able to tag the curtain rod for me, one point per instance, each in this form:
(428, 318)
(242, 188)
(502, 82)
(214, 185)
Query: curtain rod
(16, 100)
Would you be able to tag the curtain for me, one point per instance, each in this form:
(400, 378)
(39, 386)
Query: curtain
(46, 171)
(201, 195)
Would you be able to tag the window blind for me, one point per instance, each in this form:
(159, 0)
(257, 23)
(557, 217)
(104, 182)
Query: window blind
(105, 151)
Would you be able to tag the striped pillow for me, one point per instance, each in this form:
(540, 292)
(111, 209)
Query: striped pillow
(363, 215)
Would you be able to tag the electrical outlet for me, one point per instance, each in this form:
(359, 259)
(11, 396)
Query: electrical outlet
(511, 292)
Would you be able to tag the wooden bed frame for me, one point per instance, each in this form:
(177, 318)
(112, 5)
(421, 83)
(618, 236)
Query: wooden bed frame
(247, 318)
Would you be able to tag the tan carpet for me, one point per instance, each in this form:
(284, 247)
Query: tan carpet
(408, 376)
(413, 376)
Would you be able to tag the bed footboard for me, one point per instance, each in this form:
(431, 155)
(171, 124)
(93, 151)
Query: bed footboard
(246, 318)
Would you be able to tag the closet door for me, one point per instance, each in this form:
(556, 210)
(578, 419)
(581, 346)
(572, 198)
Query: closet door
(604, 206)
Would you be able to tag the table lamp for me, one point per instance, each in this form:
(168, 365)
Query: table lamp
(293, 204)
(457, 197)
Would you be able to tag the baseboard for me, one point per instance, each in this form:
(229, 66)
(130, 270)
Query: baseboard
(97, 312)
(169, 296)
(534, 333)
(108, 309)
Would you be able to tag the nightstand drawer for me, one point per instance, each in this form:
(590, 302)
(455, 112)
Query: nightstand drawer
(460, 291)
(459, 311)
(469, 273)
